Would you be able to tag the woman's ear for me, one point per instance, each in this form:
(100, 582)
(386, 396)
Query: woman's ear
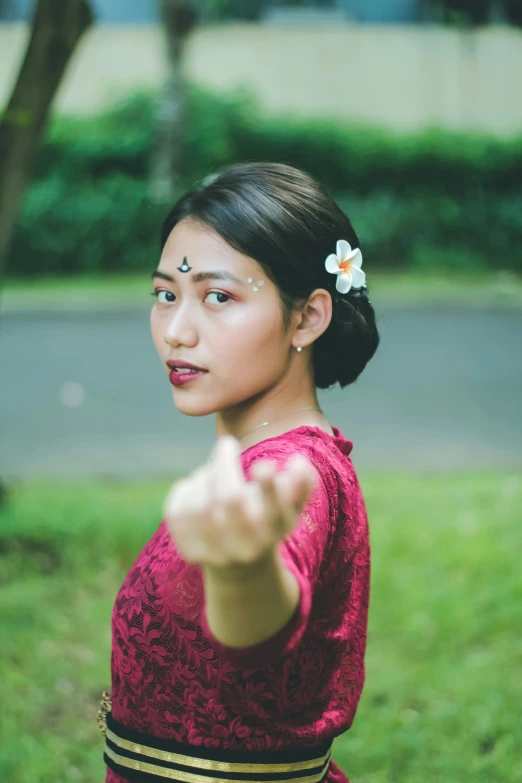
(315, 316)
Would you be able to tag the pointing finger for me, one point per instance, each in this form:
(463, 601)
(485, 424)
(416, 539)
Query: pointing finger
(264, 472)
(303, 480)
(227, 468)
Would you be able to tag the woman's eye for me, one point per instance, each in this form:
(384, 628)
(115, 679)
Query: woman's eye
(159, 293)
(162, 292)
(218, 293)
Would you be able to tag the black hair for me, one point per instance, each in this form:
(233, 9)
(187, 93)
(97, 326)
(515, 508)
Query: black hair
(283, 218)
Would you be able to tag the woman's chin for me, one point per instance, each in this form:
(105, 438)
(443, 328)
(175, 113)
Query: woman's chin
(192, 407)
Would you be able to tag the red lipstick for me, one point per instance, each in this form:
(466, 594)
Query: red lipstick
(180, 378)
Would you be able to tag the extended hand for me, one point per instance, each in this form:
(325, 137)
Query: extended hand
(218, 519)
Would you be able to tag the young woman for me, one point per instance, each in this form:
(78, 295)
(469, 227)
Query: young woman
(239, 633)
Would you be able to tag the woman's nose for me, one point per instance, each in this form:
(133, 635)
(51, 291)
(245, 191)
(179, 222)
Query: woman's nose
(180, 329)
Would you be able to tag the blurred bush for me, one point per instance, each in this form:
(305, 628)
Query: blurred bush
(475, 12)
(430, 200)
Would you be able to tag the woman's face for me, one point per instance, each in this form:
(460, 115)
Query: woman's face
(224, 326)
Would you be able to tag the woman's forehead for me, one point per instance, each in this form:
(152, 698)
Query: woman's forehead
(206, 251)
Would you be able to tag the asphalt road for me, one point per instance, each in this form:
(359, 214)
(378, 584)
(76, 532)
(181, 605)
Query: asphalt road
(83, 393)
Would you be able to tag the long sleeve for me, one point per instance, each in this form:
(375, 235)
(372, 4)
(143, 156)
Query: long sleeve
(305, 552)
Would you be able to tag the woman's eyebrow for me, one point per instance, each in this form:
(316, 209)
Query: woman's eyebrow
(199, 276)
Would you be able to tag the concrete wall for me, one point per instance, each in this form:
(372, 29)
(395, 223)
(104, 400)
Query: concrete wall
(401, 78)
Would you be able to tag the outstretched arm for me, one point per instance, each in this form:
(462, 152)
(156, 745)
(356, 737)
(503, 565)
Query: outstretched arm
(231, 528)
(248, 604)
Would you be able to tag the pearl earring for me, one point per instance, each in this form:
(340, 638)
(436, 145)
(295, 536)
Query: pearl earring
(299, 348)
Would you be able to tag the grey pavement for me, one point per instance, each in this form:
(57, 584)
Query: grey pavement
(84, 393)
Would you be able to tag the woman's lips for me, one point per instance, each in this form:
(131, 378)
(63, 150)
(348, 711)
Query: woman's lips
(179, 378)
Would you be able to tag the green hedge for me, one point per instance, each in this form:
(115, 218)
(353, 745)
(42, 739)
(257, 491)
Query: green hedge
(435, 199)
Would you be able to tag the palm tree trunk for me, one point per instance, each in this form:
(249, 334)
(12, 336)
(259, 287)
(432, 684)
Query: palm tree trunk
(56, 29)
(179, 17)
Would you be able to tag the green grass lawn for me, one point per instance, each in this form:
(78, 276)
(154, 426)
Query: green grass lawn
(102, 291)
(442, 700)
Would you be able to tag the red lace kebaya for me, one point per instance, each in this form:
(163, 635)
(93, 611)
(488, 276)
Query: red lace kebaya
(173, 679)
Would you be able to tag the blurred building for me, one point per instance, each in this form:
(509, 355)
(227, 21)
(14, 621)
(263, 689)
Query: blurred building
(365, 11)
(360, 61)
(382, 11)
(107, 11)
(143, 11)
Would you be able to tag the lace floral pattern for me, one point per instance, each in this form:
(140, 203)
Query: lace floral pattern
(171, 678)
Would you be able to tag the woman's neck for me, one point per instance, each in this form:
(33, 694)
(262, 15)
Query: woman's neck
(282, 425)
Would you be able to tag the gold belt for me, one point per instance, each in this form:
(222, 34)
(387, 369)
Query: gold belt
(143, 757)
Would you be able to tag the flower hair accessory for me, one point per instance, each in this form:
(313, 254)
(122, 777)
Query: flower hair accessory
(346, 264)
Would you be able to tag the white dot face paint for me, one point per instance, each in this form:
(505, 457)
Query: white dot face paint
(257, 285)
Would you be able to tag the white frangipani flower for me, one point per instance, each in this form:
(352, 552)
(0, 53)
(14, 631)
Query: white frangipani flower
(346, 264)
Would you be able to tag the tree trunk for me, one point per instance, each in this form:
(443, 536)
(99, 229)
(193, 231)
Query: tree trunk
(56, 29)
(179, 17)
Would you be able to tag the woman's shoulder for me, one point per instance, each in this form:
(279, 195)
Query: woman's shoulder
(329, 454)
(338, 496)
(315, 442)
